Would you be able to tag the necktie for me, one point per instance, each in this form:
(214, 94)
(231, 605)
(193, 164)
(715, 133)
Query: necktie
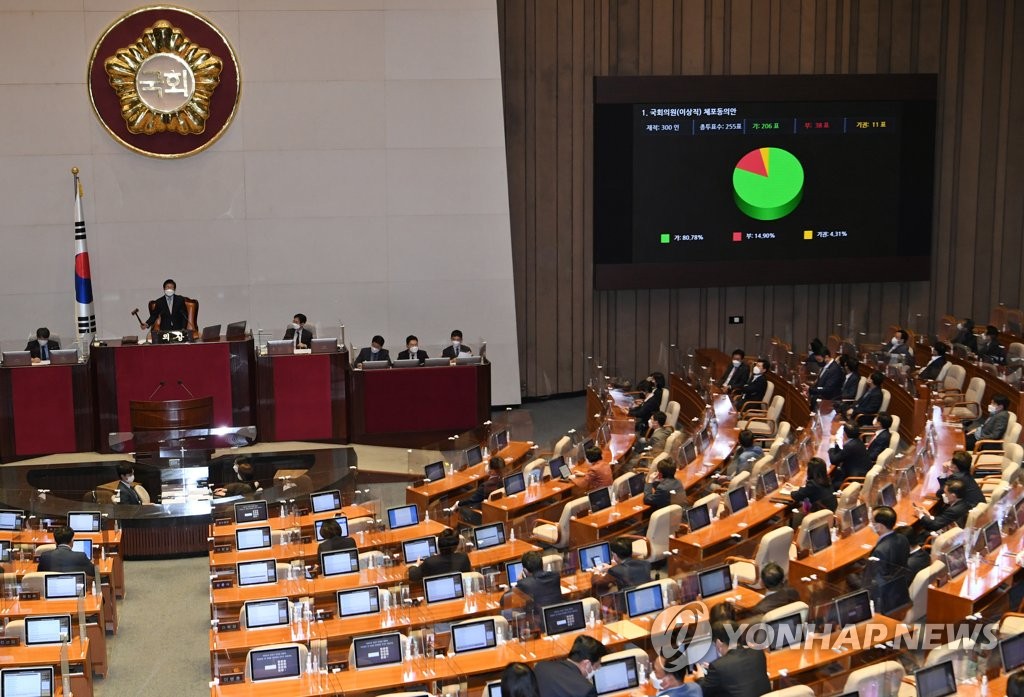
(297, 333)
(45, 351)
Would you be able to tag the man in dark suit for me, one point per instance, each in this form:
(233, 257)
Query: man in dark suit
(880, 441)
(412, 350)
(830, 380)
(990, 350)
(851, 383)
(446, 561)
(300, 337)
(959, 470)
(42, 346)
(955, 511)
(540, 586)
(740, 671)
(870, 402)
(457, 348)
(851, 460)
(899, 345)
(965, 335)
(755, 389)
(568, 677)
(662, 485)
(63, 558)
(170, 310)
(625, 572)
(737, 374)
(992, 427)
(777, 592)
(936, 364)
(885, 574)
(126, 494)
(374, 352)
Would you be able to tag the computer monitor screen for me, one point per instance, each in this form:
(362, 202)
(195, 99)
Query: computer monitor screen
(555, 467)
(252, 538)
(887, 496)
(487, 536)
(636, 484)
(769, 482)
(644, 600)
(698, 517)
(853, 608)
(253, 573)
(689, 452)
(250, 511)
(5, 550)
(343, 561)
(403, 517)
(785, 631)
(513, 570)
(265, 613)
(47, 629)
(11, 519)
(473, 636)
(83, 546)
(326, 501)
(420, 548)
(445, 587)
(514, 483)
(359, 601)
(564, 617)
(1011, 652)
(27, 682)
(595, 555)
(474, 456)
(714, 581)
(936, 681)
(993, 538)
(501, 440)
(84, 521)
(493, 689)
(738, 499)
(274, 664)
(434, 471)
(858, 517)
(616, 676)
(600, 499)
(63, 585)
(792, 464)
(318, 525)
(820, 537)
(377, 650)
(956, 561)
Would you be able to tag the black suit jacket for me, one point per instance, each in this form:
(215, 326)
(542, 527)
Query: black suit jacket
(403, 355)
(630, 573)
(66, 559)
(305, 336)
(743, 672)
(34, 348)
(366, 354)
(886, 574)
(754, 390)
(440, 564)
(851, 382)
(973, 494)
(956, 513)
(562, 679)
(128, 494)
(544, 588)
(932, 370)
(171, 318)
(333, 544)
(449, 351)
(829, 383)
(647, 409)
(739, 378)
(878, 443)
(775, 600)
(851, 461)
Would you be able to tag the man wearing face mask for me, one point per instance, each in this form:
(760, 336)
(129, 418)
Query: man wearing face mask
(739, 671)
(412, 350)
(374, 352)
(936, 364)
(990, 350)
(244, 480)
(571, 677)
(869, 403)
(992, 427)
(457, 348)
(126, 494)
(754, 390)
(851, 460)
(170, 310)
(737, 374)
(965, 335)
(669, 679)
(955, 512)
(42, 346)
(899, 345)
(880, 441)
(830, 380)
(958, 469)
(885, 574)
(297, 333)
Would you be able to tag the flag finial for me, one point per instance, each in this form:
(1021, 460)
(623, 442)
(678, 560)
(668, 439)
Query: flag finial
(74, 170)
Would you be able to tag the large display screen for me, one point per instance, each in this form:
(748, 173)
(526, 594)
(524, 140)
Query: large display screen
(762, 180)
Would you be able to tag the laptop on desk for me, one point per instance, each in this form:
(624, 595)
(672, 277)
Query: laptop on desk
(13, 359)
(280, 347)
(211, 333)
(325, 345)
(236, 330)
(63, 356)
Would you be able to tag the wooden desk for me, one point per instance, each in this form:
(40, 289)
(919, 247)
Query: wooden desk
(44, 410)
(303, 397)
(993, 385)
(539, 500)
(616, 519)
(97, 639)
(110, 540)
(305, 522)
(712, 543)
(459, 482)
(80, 668)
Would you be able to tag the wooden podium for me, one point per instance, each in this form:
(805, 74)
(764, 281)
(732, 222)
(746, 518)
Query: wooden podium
(171, 414)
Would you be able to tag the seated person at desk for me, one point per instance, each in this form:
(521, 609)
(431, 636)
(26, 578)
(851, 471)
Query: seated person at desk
(491, 483)
(737, 374)
(815, 355)
(852, 459)
(125, 493)
(245, 482)
(668, 678)
(446, 561)
(645, 407)
(885, 573)
(754, 390)
(935, 364)
(777, 592)
(851, 383)
(1015, 685)
(41, 347)
(739, 671)
(598, 474)
(869, 403)
(742, 459)
(657, 434)
(457, 348)
(64, 558)
(518, 680)
(625, 571)
(330, 530)
(829, 384)
(412, 350)
(990, 350)
(991, 427)
(661, 485)
(954, 513)
(170, 310)
(880, 440)
(965, 335)
(920, 558)
(899, 345)
(958, 469)
(374, 352)
(540, 586)
(816, 494)
(301, 337)
(568, 677)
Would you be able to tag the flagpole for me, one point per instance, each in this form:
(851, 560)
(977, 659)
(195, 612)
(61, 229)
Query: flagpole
(85, 312)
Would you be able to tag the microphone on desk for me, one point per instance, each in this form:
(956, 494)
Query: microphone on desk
(158, 388)
(183, 386)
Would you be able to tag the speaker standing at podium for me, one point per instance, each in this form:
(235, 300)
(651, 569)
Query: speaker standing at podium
(170, 310)
(41, 347)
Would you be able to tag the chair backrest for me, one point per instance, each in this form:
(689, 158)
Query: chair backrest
(946, 541)
(663, 404)
(739, 481)
(553, 562)
(894, 431)
(769, 391)
(975, 390)
(1012, 435)
(783, 433)
(955, 376)
(943, 372)
(658, 459)
(998, 494)
(811, 521)
(32, 582)
(774, 548)
(663, 523)
(878, 679)
(850, 495)
(886, 397)
(591, 605)
(1015, 351)
(869, 483)
(540, 464)
(1011, 472)
(885, 458)
(1014, 451)
(673, 441)
(977, 514)
(957, 651)
(561, 446)
(786, 611)
(620, 485)
(763, 464)
(641, 656)
(795, 691)
(862, 387)
(672, 414)
(712, 500)
(573, 508)
(303, 651)
(39, 550)
(919, 590)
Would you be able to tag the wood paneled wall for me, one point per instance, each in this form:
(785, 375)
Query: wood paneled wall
(551, 50)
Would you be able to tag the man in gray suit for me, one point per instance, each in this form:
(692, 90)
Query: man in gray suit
(991, 428)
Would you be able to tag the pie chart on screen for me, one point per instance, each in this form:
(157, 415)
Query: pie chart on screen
(768, 183)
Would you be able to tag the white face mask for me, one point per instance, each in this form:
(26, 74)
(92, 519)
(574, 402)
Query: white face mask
(456, 343)
(296, 326)
(992, 409)
(895, 340)
(414, 348)
(43, 341)
(945, 498)
(169, 292)
(130, 478)
(235, 468)
(736, 364)
(960, 326)
(757, 370)
(656, 683)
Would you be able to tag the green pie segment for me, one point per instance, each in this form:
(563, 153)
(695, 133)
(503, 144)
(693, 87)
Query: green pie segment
(768, 183)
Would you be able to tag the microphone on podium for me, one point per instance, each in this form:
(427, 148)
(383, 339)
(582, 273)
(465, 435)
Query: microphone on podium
(185, 387)
(158, 388)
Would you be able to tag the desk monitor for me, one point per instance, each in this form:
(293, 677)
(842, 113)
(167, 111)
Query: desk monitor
(253, 538)
(564, 472)
(403, 517)
(84, 546)
(342, 561)
(738, 499)
(274, 663)
(375, 365)
(600, 499)
(858, 517)
(769, 482)
(487, 536)
(564, 617)
(406, 363)
(27, 682)
(474, 456)
(514, 483)
(254, 573)
(555, 467)
(492, 689)
(714, 581)
(514, 571)
(853, 608)
(636, 484)
(820, 537)
(280, 347)
(993, 538)
(236, 330)
(469, 360)
(785, 631)
(84, 521)
(792, 465)
(250, 511)
(341, 520)
(5, 550)
(258, 614)
(438, 589)
(63, 356)
(13, 359)
(434, 471)
(644, 600)
(689, 451)
(211, 333)
(500, 440)
(616, 676)
(437, 362)
(11, 519)
(936, 681)
(328, 344)
(47, 629)
(698, 517)
(420, 548)
(70, 585)
(595, 555)
(325, 501)
(359, 601)
(956, 561)
(1011, 652)
(887, 496)
(377, 650)
(473, 636)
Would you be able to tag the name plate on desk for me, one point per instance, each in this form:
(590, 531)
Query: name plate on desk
(218, 584)
(25, 595)
(10, 641)
(229, 626)
(223, 521)
(232, 679)
(219, 549)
